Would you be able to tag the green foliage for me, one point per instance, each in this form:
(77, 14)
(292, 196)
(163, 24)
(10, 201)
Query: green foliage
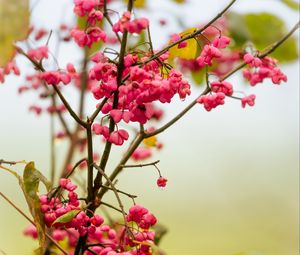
(292, 4)
(198, 76)
(262, 29)
(14, 22)
(67, 217)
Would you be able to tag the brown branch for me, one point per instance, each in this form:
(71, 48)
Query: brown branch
(108, 145)
(190, 36)
(141, 165)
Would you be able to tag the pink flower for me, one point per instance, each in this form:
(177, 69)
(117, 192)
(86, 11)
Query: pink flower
(141, 153)
(100, 130)
(31, 231)
(250, 100)
(208, 53)
(222, 86)
(161, 182)
(118, 137)
(278, 76)
(38, 53)
(67, 184)
(252, 61)
(211, 101)
(221, 42)
(51, 77)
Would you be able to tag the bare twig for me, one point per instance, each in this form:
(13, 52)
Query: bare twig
(141, 165)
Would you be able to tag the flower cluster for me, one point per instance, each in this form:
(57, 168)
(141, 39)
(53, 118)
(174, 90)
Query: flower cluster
(68, 222)
(93, 33)
(260, 69)
(143, 86)
(132, 26)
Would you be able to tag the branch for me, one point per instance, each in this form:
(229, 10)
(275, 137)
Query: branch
(141, 165)
(265, 53)
(190, 36)
(69, 108)
(271, 49)
(111, 206)
(108, 145)
(39, 67)
(97, 111)
(3, 161)
(122, 192)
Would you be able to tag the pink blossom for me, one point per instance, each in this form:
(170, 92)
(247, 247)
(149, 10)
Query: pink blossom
(221, 42)
(161, 182)
(208, 53)
(222, 86)
(38, 53)
(250, 100)
(211, 101)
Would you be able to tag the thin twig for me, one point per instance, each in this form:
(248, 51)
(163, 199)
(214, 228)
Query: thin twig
(116, 194)
(141, 165)
(122, 192)
(111, 206)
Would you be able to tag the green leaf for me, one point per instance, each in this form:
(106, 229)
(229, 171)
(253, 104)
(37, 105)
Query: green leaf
(67, 217)
(292, 4)
(31, 179)
(14, 22)
(262, 29)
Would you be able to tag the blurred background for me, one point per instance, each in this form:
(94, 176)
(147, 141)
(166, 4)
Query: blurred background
(233, 173)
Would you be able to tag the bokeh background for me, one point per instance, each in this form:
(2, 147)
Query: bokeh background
(233, 173)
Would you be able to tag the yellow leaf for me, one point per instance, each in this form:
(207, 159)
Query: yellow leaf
(189, 51)
(138, 3)
(14, 22)
(150, 142)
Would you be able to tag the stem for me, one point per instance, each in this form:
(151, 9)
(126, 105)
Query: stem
(83, 82)
(90, 197)
(111, 206)
(108, 145)
(52, 145)
(141, 165)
